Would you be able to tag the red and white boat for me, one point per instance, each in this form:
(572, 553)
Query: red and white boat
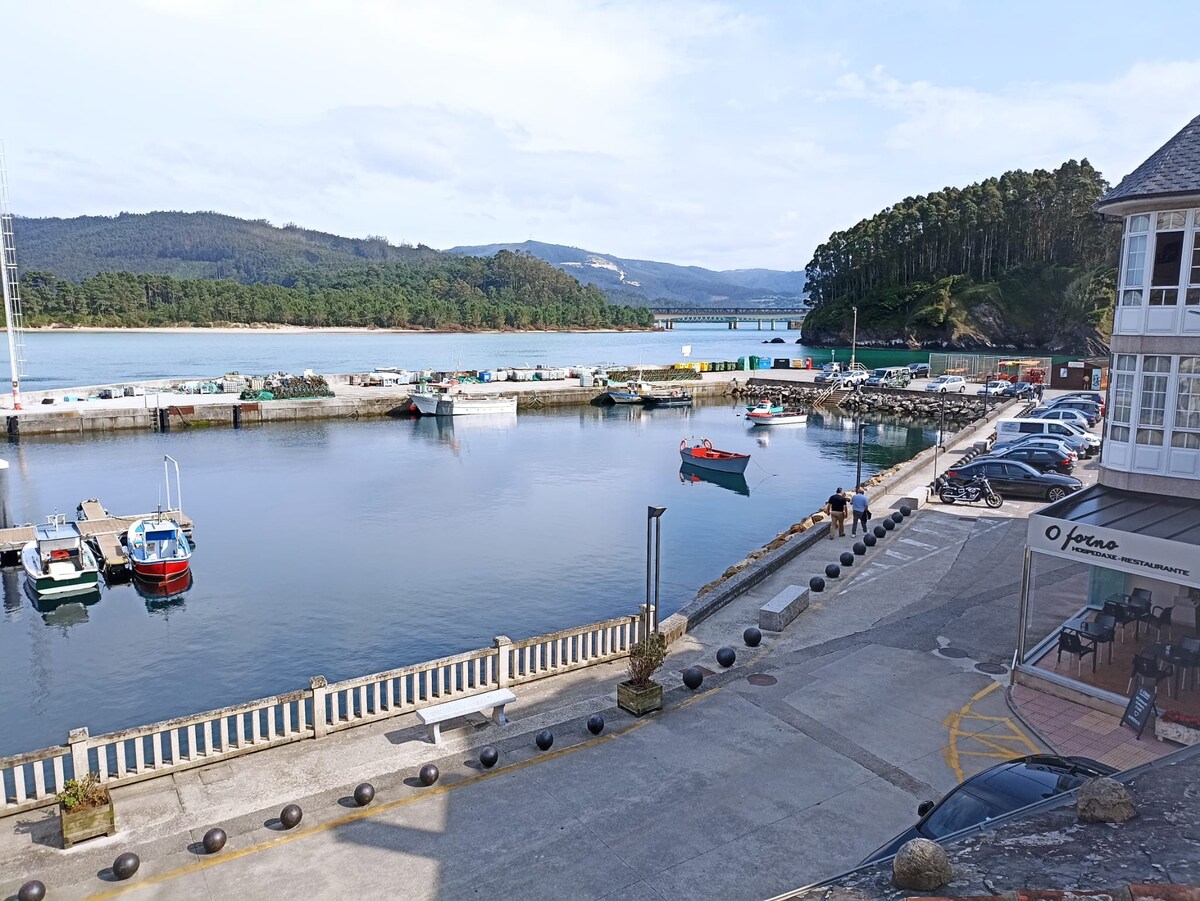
(705, 456)
(158, 549)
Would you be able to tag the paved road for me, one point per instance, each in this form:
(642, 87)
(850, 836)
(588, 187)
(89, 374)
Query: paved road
(872, 701)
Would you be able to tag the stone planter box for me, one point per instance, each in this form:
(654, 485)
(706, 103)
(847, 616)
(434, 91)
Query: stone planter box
(639, 701)
(1176, 732)
(78, 825)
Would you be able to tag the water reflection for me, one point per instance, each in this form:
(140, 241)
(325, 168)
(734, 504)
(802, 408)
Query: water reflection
(730, 481)
(62, 612)
(163, 597)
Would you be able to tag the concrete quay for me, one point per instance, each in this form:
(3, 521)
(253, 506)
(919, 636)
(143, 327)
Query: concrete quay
(785, 769)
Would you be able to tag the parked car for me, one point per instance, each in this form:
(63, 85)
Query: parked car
(1009, 429)
(1018, 389)
(1066, 414)
(1094, 397)
(1049, 441)
(1016, 479)
(944, 384)
(890, 377)
(996, 791)
(919, 370)
(993, 388)
(1091, 410)
(849, 377)
(1043, 459)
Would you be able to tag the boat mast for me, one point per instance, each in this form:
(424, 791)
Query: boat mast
(9, 281)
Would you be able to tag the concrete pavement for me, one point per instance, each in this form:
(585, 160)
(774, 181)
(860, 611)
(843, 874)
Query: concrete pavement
(810, 752)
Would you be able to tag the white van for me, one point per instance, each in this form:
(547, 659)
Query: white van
(1011, 429)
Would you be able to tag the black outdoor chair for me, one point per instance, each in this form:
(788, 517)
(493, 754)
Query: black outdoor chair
(1146, 667)
(1121, 615)
(1190, 649)
(1159, 617)
(1107, 624)
(1073, 644)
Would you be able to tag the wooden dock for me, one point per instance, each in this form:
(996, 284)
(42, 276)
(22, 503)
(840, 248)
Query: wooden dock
(100, 529)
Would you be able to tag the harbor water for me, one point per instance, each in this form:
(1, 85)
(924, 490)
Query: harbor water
(345, 548)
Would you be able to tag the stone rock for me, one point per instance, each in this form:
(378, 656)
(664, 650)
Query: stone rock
(1104, 800)
(921, 864)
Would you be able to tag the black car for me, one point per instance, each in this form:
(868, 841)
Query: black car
(1043, 459)
(919, 370)
(996, 791)
(1019, 389)
(1011, 478)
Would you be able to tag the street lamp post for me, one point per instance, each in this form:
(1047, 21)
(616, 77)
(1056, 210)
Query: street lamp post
(653, 544)
(853, 336)
(938, 444)
(862, 427)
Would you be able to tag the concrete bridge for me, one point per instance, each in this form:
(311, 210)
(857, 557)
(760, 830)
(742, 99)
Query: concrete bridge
(732, 316)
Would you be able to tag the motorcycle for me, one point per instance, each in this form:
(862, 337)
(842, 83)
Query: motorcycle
(969, 492)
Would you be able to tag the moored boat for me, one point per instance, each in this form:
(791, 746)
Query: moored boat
(784, 416)
(672, 398)
(703, 455)
(430, 403)
(634, 392)
(58, 562)
(765, 406)
(158, 549)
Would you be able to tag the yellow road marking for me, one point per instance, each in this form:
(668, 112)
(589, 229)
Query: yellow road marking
(962, 725)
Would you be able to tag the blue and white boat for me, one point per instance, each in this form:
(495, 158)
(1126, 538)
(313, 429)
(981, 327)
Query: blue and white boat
(634, 392)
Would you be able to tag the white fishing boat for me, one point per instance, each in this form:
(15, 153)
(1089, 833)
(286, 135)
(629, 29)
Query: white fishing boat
(58, 562)
(443, 403)
(784, 416)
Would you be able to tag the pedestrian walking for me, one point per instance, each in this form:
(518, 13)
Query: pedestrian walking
(862, 511)
(1038, 390)
(836, 508)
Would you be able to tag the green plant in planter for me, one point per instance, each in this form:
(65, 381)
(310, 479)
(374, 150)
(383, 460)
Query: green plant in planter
(645, 658)
(82, 794)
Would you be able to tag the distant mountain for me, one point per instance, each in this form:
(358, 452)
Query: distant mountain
(644, 281)
(194, 245)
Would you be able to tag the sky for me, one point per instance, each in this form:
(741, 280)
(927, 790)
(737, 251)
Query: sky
(724, 135)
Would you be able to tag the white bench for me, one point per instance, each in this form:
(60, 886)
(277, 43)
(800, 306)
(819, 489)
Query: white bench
(492, 701)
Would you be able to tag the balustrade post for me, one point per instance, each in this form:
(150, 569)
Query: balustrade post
(320, 720)
(502, 644)
(78, 740)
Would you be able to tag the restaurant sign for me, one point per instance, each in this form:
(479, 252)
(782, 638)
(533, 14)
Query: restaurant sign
(1114, 549)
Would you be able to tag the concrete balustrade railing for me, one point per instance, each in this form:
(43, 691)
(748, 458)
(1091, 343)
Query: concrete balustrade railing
(33, 779)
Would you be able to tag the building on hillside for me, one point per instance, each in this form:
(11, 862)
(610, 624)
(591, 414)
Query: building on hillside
(1129, 546)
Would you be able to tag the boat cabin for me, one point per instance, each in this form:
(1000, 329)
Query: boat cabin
(59, 546)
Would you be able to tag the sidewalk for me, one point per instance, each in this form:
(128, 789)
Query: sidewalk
(808, 753)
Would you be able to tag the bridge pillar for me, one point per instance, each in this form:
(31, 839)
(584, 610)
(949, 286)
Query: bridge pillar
(760, 325)
(772, 325)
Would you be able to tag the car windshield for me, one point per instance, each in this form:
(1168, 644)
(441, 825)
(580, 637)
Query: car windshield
(960, 810)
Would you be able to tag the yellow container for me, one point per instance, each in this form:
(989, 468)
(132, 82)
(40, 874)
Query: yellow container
(797, 364)
(705, 367)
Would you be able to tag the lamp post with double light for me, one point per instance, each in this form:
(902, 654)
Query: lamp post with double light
(653, 574)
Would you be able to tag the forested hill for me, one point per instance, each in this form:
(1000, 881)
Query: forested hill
(1019, 261)
(194, 245)
(662, 284)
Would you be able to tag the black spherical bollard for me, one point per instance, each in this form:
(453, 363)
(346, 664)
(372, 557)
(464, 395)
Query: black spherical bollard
(126, 865)
(692, 677)
(364, 794)
(832, 571)
(870, 540)
(880, 531)
(595, 724)
(905, 510)
(846, 558)
(816, 583)
(33, 890)
(544, 740)
(860, 548)
(888, 524)
(488, 757)
(291, 816)
(726, 657)
(752, 637)
(428, 774)
(897, 517)
(214, 840)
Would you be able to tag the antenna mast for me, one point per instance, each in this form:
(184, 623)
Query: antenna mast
(9, 281)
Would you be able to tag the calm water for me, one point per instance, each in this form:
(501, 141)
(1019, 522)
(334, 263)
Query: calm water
(348, 548)
(57, 360)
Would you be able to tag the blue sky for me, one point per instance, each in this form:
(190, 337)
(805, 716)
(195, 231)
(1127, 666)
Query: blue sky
(716, 134)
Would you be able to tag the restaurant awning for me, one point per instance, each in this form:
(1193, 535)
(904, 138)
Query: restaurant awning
(1145, 534)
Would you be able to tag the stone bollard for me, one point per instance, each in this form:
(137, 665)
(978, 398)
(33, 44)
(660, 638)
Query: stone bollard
(921, 864)
(1104, 800)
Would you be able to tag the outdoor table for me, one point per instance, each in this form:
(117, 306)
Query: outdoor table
(1138, 606)
(1088, 630)
(1176, 656)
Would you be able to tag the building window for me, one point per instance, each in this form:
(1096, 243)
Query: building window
(1171, 220)
(1139, 224)
(1152, 406)
(1187, 405)
(1122, 404)
(1194, 276)
(1168, 260)
(1135, 261)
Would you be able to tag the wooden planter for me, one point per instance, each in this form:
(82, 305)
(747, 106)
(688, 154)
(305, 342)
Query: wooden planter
(639, 700)
(78, 825)
(1176, 732)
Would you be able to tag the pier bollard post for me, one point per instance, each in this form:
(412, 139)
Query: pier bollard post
(78, 740)
(502, 643)
(320, 719)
